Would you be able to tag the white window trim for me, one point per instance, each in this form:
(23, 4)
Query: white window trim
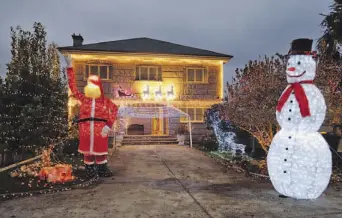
(98, 65)
(204, 80)
(148, 67)
(184, 120)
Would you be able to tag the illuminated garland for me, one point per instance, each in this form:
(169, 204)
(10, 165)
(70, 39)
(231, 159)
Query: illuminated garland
(150, 112)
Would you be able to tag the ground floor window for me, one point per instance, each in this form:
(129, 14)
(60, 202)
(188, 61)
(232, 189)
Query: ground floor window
(196, 114)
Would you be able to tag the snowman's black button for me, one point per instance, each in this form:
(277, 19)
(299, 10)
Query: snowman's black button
(285, 159)
(292, 92)
(285, 171)
(286, 148)
(289, 137)
(290, 110)
(289, 119)
(291, 101)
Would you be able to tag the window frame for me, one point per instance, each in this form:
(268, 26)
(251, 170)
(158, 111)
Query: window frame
(157, 73)
(195, 120)
(108, 67)
(204, 74)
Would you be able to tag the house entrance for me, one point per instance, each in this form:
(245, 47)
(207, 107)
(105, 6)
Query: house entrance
(157, 114)
(159, 125)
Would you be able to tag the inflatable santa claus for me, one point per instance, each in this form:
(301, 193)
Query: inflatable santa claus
(96, 118)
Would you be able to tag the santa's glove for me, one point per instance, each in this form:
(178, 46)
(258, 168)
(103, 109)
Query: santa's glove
(67, 59)
(105, 131)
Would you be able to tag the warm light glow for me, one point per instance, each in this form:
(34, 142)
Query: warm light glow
(221, 80)
(77, 56)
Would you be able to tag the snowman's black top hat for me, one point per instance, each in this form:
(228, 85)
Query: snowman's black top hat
(301, 47)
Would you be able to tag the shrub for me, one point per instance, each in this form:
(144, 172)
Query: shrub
(209, 143)
(182, 129)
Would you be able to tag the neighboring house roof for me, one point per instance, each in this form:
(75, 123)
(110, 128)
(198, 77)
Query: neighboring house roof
(145, 46)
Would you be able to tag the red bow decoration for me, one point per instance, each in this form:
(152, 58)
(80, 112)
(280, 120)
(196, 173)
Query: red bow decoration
(300, 96)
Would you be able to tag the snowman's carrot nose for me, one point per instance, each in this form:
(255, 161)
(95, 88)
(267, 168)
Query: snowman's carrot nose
(291, 69)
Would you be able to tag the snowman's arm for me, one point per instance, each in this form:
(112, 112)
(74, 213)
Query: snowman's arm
(72, 84)
(318, 106)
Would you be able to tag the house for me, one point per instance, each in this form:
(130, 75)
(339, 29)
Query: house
(144, 72)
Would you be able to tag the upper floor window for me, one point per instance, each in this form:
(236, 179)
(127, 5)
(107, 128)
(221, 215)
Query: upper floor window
(196, 75)
(103, 71)
(149, 73)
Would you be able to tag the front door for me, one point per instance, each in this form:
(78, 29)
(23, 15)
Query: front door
(157, 126)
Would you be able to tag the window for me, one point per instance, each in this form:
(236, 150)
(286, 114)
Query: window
(195, 114)
(149, 73)
(196, 75)
(103, 71)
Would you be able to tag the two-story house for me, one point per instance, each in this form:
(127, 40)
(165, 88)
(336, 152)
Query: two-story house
(143, 72)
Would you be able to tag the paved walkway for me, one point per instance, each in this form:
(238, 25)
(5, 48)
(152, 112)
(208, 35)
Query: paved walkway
(172, 181)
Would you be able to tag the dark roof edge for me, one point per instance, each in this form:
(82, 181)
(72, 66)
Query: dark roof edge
(74, 49)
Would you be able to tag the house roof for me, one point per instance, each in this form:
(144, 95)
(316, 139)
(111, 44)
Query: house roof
(146, 46)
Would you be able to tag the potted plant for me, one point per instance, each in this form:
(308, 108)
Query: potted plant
(181, 131)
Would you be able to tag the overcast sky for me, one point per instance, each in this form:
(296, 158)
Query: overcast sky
(242, 28)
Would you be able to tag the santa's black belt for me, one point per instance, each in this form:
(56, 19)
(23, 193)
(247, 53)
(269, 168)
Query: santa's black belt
(91, 119)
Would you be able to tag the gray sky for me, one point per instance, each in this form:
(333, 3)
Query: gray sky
(242, 28)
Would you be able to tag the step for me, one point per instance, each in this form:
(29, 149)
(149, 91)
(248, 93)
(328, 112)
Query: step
(149, 143)
(150, 139)
(147, 136)
(133, 141)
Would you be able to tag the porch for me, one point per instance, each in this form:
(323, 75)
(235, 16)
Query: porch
(150, 123)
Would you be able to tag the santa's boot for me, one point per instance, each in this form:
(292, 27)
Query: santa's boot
(103, 170)
(90, 171)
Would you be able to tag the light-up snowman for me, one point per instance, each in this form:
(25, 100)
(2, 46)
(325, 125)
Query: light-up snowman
(299, 158)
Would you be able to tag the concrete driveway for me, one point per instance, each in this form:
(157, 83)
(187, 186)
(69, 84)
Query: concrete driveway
(172, 181)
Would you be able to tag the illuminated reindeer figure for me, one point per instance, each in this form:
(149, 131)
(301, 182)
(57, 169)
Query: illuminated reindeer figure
(146, 92)
(170, 93)
(158, 93)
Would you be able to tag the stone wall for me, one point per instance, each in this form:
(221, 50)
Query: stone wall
(187, 93)
(124, 75)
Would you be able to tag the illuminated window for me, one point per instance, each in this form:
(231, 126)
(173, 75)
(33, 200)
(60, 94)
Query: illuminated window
(195, 114)
(103, 71)
(148, 73)
(196, 75)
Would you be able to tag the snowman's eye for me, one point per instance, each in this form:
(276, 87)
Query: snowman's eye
(299, 62)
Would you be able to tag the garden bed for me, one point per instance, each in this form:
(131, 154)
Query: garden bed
(24, 185)
(255, 168)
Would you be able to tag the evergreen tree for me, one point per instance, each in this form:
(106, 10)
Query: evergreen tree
(35, 93)
(331, 40)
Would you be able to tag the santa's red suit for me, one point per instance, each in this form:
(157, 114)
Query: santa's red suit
(94, 115)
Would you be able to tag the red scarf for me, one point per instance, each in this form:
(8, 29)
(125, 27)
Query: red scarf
(300, 96)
